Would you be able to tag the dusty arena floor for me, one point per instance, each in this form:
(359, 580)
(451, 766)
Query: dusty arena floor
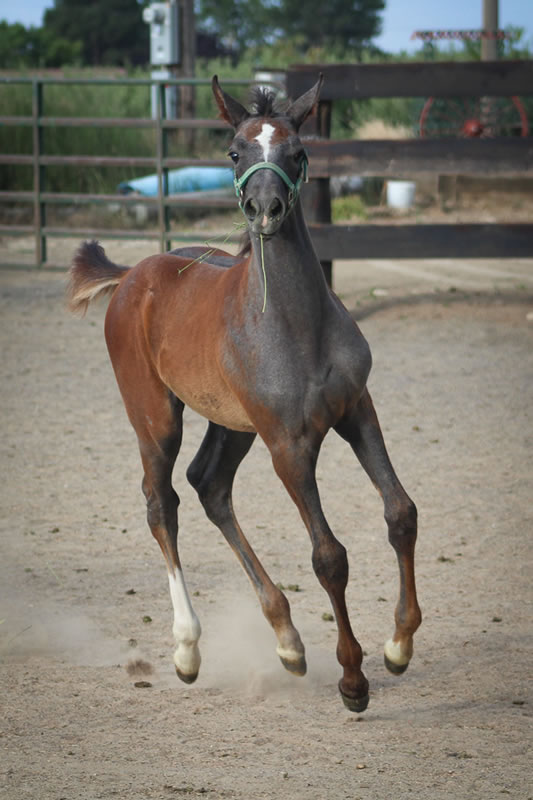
(84, 607)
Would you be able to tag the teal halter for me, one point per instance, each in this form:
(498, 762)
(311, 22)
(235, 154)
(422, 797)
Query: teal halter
(294, 188)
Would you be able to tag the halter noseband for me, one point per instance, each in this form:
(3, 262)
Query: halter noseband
(294, 188)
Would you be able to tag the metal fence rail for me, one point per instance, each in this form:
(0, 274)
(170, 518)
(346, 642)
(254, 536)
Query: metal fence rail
(160, 163)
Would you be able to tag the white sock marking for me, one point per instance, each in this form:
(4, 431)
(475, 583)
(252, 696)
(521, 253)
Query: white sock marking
(186, 628)
(264, 139)
(397, 654)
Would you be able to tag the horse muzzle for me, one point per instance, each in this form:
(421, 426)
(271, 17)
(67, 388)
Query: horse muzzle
(264, 214)
(266, 202)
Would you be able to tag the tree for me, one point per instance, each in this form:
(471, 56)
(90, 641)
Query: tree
(112, 32)
(32, 47)
(344, 25)
(15, 48)
(239, 24)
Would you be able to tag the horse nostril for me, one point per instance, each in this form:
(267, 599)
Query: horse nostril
(275, 209)
(251, 209)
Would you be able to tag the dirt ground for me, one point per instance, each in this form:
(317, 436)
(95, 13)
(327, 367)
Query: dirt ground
(85, 612)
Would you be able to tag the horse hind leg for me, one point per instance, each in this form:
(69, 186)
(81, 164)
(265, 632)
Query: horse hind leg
(363, 432)
(156, 415)
(211, 474)
(158, 425)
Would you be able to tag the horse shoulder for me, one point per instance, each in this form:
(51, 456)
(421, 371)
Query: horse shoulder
(347, 358)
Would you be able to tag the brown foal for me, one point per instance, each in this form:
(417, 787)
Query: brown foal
(257, 344)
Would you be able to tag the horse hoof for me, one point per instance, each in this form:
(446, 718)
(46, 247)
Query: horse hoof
(355, 704)
(298, 667)
(186, 677)
(396, 669)
(397, 656)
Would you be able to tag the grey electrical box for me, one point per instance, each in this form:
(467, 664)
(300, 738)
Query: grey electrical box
(163, 19)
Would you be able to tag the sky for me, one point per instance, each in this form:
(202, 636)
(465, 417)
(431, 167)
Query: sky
(400, 18)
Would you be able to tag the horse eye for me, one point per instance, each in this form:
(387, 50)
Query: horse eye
(234, 156)
(299, 156)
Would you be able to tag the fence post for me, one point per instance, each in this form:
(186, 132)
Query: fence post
(316, 198)
(489, 40)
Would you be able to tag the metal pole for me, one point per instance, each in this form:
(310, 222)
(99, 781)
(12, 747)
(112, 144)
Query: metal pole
(187, 69)
(39, 207)
(489, 46)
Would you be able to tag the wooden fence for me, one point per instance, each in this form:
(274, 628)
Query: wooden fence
(389, 159)
(409, 158)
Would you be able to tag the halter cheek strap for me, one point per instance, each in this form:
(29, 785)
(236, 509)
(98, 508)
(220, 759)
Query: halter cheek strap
(294, 188)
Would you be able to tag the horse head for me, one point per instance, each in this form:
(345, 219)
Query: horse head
(269, 159)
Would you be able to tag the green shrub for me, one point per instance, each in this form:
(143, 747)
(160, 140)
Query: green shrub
(345, 208)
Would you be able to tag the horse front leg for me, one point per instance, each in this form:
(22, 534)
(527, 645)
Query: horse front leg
(295, 463)
(212, 473)
(361, 429)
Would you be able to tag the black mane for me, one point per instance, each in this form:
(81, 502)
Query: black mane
(263, 103)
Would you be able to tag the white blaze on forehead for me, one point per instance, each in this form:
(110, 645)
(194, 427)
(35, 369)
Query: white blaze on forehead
(265, 138)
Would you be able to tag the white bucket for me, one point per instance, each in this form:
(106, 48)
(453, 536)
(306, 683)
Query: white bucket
(400, 194)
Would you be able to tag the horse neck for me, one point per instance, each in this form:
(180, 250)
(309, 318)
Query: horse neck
(294, 276)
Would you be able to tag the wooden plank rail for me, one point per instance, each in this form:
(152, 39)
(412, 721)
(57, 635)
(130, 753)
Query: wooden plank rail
(398, 157)
(417, 79)
(422, 241)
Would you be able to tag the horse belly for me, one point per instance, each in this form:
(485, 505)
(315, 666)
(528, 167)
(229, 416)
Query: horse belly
(216, 404)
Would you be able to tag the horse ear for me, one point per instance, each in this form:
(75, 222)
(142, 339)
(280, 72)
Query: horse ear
(230, 109)
(305, 105)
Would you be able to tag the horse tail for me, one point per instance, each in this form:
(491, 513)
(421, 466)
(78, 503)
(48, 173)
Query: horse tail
(91, 275)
